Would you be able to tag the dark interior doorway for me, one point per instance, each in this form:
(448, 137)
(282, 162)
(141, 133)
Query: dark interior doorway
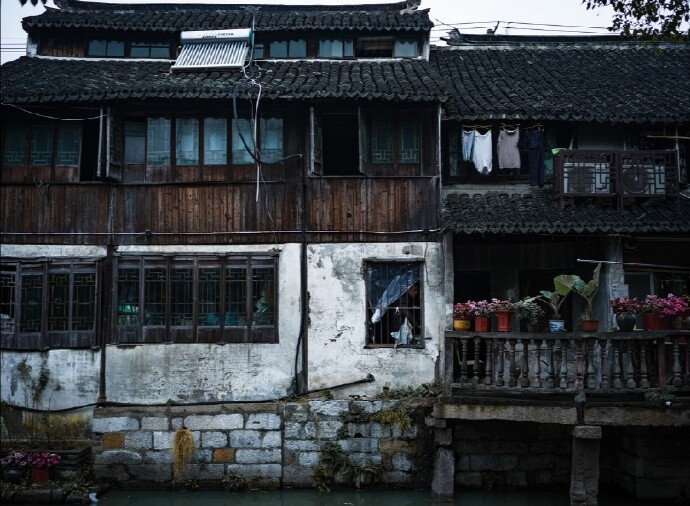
(340, 144)
(89, 151)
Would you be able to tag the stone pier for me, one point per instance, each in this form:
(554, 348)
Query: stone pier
(584, 475)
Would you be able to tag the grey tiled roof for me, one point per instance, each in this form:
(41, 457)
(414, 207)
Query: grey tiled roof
(179, 17)
(539, 212)
(49, 80)
(603, 82)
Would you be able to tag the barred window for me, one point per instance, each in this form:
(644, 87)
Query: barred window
(394, 295)
(196, 299)
(48, 305)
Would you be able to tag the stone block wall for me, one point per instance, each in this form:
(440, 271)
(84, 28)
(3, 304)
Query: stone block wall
(271, 444)
(511, 454)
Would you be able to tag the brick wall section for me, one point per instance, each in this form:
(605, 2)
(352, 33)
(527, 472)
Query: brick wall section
(511, 454)
(272, 444)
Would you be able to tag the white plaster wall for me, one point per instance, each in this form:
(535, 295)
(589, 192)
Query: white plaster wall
(51, 250)
(337, 314)
(77, 372)
(154, 373)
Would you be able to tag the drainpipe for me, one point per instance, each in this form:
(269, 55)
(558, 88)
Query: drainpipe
(303, 380)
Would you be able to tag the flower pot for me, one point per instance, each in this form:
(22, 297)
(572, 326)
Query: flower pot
(40, 475)
(589, 325)
(675, 322)
(481, 324)
(556, 325)
(461, 324)
(651, 321)
(533, 327)
(626, 322)
(504, 320)
(12, 475)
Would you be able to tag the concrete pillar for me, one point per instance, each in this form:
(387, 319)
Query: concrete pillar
(611, 283)
(443, 484)
(584, 474)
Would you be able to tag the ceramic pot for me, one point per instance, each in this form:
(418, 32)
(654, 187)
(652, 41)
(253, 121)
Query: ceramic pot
(12, 475)
(533, 327)
(40, 475)
(481, 324)
(505, 320)
(461, 324)
(589, 325)
(675, 322)
(556, 325)
(626, 322)
(651, 321)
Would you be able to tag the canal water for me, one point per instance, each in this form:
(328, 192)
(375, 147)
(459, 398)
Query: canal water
(345, 498)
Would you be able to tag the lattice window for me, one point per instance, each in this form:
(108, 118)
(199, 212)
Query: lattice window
(83, 298)
(155, 296)
(41, 144)
(128, 297)
(263, 296)
(239, 153)
(68, 144)
(215, 141)
(14, 149)
(209, 296)
(7, 300)
(236, 297)
(271, 139)
(158, 135)
(181, 297)
(187, 141)
(58, 301)
(32, 303)
(409, 142)
(381, 140)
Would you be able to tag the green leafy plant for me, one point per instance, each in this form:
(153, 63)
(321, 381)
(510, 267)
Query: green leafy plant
(562, 286)
(398, 416)
(587, 291)
(234, 482)
(529, 310)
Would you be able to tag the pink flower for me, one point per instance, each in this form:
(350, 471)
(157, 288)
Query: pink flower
(624, 305)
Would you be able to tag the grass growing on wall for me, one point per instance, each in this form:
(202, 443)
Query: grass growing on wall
(182, 450)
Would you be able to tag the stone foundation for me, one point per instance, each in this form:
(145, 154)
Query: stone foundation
(271, 445)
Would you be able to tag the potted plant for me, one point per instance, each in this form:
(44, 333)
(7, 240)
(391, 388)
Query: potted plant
(14, 466)
(651, 308)
(673, 308)
(503, 309)
(562, 286)
(41, 463)
(482, 311)
(462, 316)
(529, 311)
(588, 320)
(625, 309)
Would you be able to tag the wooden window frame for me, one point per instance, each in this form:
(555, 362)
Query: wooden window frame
(45, 338)
(222, 333)
(392, 262)
(397, 168)
(167, 41)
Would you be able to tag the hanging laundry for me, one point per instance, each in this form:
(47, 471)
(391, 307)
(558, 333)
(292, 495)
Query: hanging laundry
(508, 151)
(534, 143)
(482, 152)
(467, 144)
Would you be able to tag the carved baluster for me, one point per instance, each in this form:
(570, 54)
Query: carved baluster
(617, 383)
(489, 362)
(563, 373)
(475, 368)
(677, 370)
(579, 383)
(463, 362)
(549, 368)
(591, 375)
(499, 363)
(605, 365)
(629, 366)
(536, 383)
(512, 367)
(644, 376)
(524, 364)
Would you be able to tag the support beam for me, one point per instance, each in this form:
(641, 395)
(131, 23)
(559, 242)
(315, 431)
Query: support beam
(443, 483)
(584, 474)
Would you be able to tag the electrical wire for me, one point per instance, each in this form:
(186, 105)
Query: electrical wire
(53, 117)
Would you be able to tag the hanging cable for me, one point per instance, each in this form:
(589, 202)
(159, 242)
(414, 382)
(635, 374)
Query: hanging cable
(52, 117)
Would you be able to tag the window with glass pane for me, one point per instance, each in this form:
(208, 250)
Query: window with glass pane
(158, 135)
(31, 303)
(279, 49)
(215, 141)
(409, 151)
(297, 48)
(263, 296)
(181, 297)
(127, 297)
(154, 296)
(149, 50)
(41, 144)
(187, 141)
(271, 139)
(331, 48)
(236, 297)
(83, 301)
(106, 48)
(239, 153)
(67, 144)
(135, 142)
(14, 148)
(375, 47)
(209, 296)
(258, 50)
(406, 48)
(7, 294)
(381, 140)
(58, 301)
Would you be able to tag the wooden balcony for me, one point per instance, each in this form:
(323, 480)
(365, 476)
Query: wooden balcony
(615, 174)
(608, 363)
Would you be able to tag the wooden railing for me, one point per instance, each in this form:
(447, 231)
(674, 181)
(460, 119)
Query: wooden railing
(619, 174)
(567, 361)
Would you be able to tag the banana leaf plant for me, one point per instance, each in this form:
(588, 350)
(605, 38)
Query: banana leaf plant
(562, 286)
(587, 291)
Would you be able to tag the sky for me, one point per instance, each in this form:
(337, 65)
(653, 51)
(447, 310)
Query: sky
(517, 17)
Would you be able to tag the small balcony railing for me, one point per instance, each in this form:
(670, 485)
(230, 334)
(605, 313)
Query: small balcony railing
(606, 362)
(618, 174)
